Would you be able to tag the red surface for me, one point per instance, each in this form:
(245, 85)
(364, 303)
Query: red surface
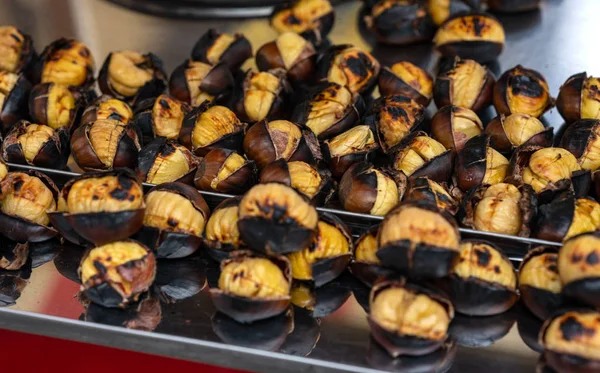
(31, 353)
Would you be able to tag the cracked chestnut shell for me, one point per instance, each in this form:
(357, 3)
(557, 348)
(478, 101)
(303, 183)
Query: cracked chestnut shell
(500, 208)
(509, 132)
(264, 95)
(571, 341)
(54, 105)
(221, 234)
(399, 328)
(26, 199)
(195, 82)
(315, 184)
(13, 255)
(327, 256)
(291, 52)
(215, 47)
(393, 117)
(453, 126)
(36, 145)
(330, 110)
(467, 84)
(116, 274)
(479, 163)
(358, 144)
(17, 52)
(163, 161)
(408, 80)
(579, 98)
(419, 155)
(482, 281)
(225, 171)
(65, 61)
(174, 220)
(100, 207)
(512, 6)
(539, 282)
(522, 90)
(400, 22)
(419, 240)
(14, 93)
(425, 189)
(105, 144)
(107, 107)
(475, 36)
(311, 19)
(349, 66)
(252, 287)
(582, 139)
(162, 117)
(579, 268)
(369, 190)
(276, 219)
(365, 264)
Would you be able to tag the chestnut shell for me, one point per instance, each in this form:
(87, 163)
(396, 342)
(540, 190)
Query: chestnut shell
(15, 105)
(471, 162)
(236, 183)
(443, 91)
(218, 82)
(157, 147)
(368, 273)
(500, 142)
(568, 101)
(389, 84)
(438, 169)
(233, 57)
(554, 218)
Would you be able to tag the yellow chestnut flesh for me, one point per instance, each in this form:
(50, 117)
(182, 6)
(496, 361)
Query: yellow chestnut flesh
(590, 99)
(499, 211)
(421, 150)
(387, 195)
(291, 46)
(170, 167)
(328, 108)
(103, 194)
(233, 163)
(396, 119)
(302, 16)
(302, 296)
(104, 135)
(7, 83)
(575, 334)
(33, 139)
(341, 73)
(220, 45)
(439, 10)
(356, 139)
(579, 258)
(466, 125)
(61, 104)
(415, 77)
(254, 278)
(222, 226)
(173, 212)
(443, 199)
(496, 167)
(549, 165)
(366, 250)
(304, 178)
(114, 109)
(483, 262)
(69, 66)
(470, 28)
(167, 115)
(3, 170)
(541, 272)
(262, 92)
(212, 125)
(127, 73)
(585, 219)
(521, 127)
(286, 136)
(11, 43)
(194, 74)
(467, 78)
(590, 159)
(527, 94)
(26, 197)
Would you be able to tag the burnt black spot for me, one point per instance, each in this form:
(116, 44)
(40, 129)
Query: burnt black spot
(496, 269)
(172, 222)
(95, 198)
(553, 268)
(131, 198)
(360, 65)
(576, 258)
(116, 116)
(125, 182)
(235, 276)
(18, 185)
(397, 112)
(478, 25)
(572, 329)
(164, 103)
(398, 98)
(293, 20)
(120, 194)
(526, 86)
(108, 259)
(16, 37)
(74, 62)
(483, 257)
(83, 52)
(167, 150)
(592, 258)
(99, 267)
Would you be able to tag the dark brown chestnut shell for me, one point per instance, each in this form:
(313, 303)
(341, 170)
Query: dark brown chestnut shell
(301, 72)
(316, 35)
(521, 81)
(579, 137)
(280, 107)
(499, 140)
(368, 273)
(443, 130)
(338, 165)
(419, 189)
(471, 162)
(144, 119)
(554, 218)
(568, 101)
(218, 82)
(38, 106)
(237, 183)
(477, 332)
(438, 169)
(234, 56)
(15, 104)
(160, 147)
(391, 85)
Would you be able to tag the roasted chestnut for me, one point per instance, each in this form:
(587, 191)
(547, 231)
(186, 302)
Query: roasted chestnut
(393, 117)
(453, 126)
(579, 268)
(106, 107)
(312, 19)
(174, 220)
(36, 145)
(26, 199)
(479, 163)
(349, 66)
(162, 117)
(215, 47)
(163, 161)
(225, 171)
(264, 95)
(274, 218)
(53, 105)
(368, 190)
(100, 207)
(509, 132)
(221, 232)
(405, 79)
(419, 155)
(116, 274)
(466, 84)
(522, 90)
(252, 287)
(579, 98)
(14, 92)
(565, 217)
(266, 142)
(291, 52)
(319, 301)
(195, 82)
(16, 50)
(539, 282)
(358, 144)
(419, 240)
(316, 185)
(570, 341)
(399, 328)
(327, 256)
(482, 281)
(67, 62)
(500, 208)
(13, 255)
(330, 110)
(582, 139)
(512, 6)
(425, 189)
(365, 265)
(400, 22)
(441, 10)
(145, 314)
(475, 36)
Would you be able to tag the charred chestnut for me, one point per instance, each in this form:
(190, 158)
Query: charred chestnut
(400, 22)
(16, 50)
(26, 199)
(221, 232)
(100, 207)
(565, 217)
(582, 139)
(402, 332)
(264, 95)
(368, 190)
(512, 6)
(312, 19)
(14, 91)
(579, 268)
(466, 84)
(225, 171)
(405, 79)
(53, 105)
(425, 189)
(106, 107)
(67, 62)
(253, 288)
(365, 265)
(453, 126)
(358, 144)
(162, 118)
(290, 52)
(36, 145)
(482, 281)
(579, 98)
(174, 220)
(327, 256)
(509, 132)
(116, 274)
(479, 163)
(274, 218)
(349, 66)
(13, 255)
(522, 90)
(105, 144)
(419, 155)
(195, 82)
(215, 47)
(163, 161)
(418, 239)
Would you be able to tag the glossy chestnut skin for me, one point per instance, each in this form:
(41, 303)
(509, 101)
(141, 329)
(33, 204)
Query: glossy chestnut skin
(579, 270)
(194, 82)
(311, 19)
(453, 126)
(438, 168)
(405, 79)
(67, 51)
(207, 49)
(160, 117)
(237, 182)
(578, 98)
(53, 152)
(107, 107)
(506, 132)
(221, 234)
(14, 106)
(522, 90)
(40, 105)
(299, 63)
(512, 6)
(268, 90)
(154, 158)
(349, 66)
(13, 255)
(27, 55)
(340, 161)
(365, 268)
(478, 163)
(582, 138)
(400, 23)
(438, 194)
